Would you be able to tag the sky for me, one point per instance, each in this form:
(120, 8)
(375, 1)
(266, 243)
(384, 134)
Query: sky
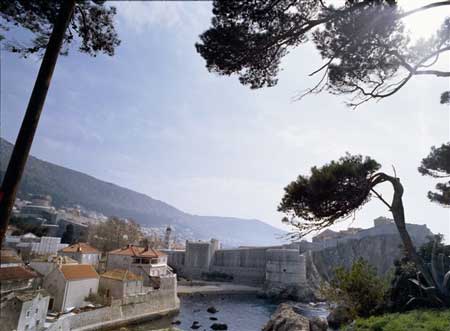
(153, 119)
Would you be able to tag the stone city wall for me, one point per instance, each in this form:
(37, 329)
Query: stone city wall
(285, 266)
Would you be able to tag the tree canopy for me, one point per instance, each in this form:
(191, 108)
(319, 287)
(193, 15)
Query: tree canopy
(91, 25)
(114, 233)
(332, 192)
(366, 51)
(437, 165)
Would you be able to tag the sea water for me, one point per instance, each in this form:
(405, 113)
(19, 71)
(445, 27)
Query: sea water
(239, 312)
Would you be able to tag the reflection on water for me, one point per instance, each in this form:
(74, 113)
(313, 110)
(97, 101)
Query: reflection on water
(239, 312)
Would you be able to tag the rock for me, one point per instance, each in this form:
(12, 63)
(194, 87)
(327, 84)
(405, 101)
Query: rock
(280, 292)
(286, 319)
(213, 318)
(195, 325)
(212, 310)
(339, 316)
(177, 322)
(318, 324)
(219, 326)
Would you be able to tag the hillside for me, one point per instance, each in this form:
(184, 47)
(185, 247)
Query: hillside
(69, 187)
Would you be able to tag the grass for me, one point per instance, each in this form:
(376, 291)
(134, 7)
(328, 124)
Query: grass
(416, 320)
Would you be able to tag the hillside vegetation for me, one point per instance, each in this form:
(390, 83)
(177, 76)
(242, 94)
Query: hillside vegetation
(69, 187)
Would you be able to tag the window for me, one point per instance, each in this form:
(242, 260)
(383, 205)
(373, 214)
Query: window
(28, 314)
(37, 311)
(154, 261)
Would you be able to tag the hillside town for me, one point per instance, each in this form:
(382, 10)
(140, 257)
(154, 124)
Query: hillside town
(70, 287)
(50, 285)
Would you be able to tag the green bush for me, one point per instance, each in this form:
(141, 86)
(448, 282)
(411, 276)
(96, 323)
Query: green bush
(360, 289)
(416, 320)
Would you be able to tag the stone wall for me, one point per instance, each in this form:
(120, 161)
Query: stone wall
(285, 266)
(380, 251)
(128, 309)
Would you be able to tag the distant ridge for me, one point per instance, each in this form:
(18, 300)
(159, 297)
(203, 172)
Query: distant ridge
(69, 187)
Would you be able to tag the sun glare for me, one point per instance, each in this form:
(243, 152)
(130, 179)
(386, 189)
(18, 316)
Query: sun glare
(423, 24)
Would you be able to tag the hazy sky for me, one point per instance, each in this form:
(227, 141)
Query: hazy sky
(153, 119)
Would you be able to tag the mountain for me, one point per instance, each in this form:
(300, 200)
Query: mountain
(69, 187)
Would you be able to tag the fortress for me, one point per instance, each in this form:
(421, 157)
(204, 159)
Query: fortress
(286, 265)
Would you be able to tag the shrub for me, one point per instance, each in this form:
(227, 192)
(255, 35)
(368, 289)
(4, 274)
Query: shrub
(359, 289)
(417, 320)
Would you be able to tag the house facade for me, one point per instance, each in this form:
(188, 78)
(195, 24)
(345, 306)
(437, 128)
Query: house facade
(82, 252)
(119, 283)
(143, 261)
(17, 278)
(9, 258)
(24, 311)
(70, 285)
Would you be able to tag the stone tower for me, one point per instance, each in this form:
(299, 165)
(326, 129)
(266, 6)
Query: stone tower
(167, 239)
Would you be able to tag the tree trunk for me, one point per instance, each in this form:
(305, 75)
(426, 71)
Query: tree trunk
(398, 213)
(27, 131)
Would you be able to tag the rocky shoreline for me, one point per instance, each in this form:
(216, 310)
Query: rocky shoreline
(288, 318)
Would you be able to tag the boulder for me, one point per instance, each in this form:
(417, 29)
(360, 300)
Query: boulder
(195, 325)
(213, 318)
(286, 319)
(219, 326)
(318, 324)
(338, 317)
(212, 310)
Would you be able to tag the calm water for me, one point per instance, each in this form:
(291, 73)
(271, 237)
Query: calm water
(239, 312)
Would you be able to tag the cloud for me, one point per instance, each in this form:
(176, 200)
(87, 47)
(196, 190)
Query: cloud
(144, 15)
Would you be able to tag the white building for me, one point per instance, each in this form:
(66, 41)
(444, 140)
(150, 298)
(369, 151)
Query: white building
(24, 311)
(143, 261)
(9, 258)
(70, 285)
(82, 252)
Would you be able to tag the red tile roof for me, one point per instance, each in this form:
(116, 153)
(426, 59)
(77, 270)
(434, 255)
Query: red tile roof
(16, 273)
(136, 251)
(80, 248)
(78, 271)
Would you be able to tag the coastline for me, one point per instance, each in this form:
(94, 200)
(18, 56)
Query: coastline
(210, 288)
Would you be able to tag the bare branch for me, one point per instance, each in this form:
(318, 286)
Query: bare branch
(381, 198)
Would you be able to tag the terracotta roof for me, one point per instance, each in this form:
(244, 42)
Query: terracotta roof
(81, 248)
(78, 271)
(16, 273)
(120, 274)
(136, 251)
(9, 256)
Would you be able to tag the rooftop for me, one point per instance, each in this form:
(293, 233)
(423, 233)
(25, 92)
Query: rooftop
(81, 248)
(9, 256)
(78, 271)
(29, 295)
(16, 273)
(136, 251)
(55, 259)
(120, 274)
